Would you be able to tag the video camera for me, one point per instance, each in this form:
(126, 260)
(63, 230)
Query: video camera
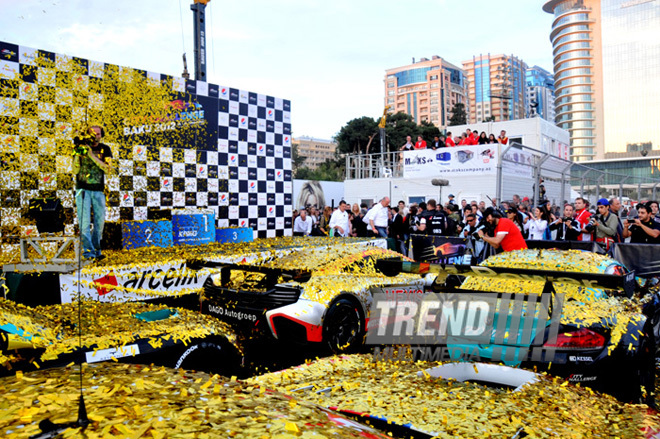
(83, 141)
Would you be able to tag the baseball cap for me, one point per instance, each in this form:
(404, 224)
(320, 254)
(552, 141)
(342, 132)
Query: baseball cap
(526, 199)
(451, 195)
(603, 202)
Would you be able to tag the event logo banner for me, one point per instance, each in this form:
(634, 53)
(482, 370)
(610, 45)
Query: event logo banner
(451, 162)
(499, 326)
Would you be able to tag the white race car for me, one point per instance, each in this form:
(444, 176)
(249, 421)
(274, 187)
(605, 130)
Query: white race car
(310, 295)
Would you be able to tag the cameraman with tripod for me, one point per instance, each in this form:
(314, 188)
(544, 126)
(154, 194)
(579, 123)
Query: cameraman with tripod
(91, 161)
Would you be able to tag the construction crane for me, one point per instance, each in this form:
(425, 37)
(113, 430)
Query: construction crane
(198, 7)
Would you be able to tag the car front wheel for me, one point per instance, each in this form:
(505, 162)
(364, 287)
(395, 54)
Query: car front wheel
(343, 327)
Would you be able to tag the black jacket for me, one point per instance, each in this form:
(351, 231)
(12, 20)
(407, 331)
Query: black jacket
(565, 233)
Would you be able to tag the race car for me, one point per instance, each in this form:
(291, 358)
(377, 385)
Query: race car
(318, 295)
(601, 335)
(48, 336)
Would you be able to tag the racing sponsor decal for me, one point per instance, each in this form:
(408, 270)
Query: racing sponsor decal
(232, 314)
(108, 354)
(580, 359)
(122, 283)
(579, 378)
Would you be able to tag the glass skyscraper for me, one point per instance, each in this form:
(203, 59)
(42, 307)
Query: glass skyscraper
(540, 93)
(607, 73)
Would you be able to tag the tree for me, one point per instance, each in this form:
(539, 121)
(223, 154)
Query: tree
(296, 159)
(458, 115)
(330, 170)
(354, 136)
(399, 125)
(428, 130)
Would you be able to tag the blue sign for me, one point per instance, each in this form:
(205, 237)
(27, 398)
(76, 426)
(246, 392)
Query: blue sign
(234, 234)
(136, 234)
(193, 228)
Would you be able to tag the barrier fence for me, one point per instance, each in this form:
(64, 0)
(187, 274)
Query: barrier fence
(521, 170)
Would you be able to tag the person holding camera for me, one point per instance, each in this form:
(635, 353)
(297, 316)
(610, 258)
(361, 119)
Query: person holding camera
(604, 224)
(568, 229)
(583, 216)
(91, 161)
(536, 225)
(644, 229)
(507, 234)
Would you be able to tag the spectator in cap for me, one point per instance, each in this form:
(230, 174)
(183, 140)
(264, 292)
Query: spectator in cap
(605, 223)
(451, 199)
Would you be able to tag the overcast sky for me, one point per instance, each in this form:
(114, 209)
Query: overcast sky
(327, 57)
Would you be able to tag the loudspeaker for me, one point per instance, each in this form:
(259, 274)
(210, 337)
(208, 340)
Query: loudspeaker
(48, 213)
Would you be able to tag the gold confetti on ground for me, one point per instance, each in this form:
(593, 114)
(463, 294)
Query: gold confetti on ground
(549, 408)
(127, 401)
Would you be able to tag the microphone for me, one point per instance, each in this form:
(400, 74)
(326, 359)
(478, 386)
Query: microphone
(440, 182)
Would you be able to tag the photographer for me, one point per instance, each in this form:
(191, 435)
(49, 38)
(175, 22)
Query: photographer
(642, 230)
(469, 232)
(568, 229)
(507, 234)
(91, 161)
(536, 225)
(604, 224)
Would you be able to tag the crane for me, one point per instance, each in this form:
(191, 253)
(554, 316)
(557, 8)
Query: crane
(198, 7)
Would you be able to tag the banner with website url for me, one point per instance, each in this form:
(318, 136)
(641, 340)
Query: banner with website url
(451, 162)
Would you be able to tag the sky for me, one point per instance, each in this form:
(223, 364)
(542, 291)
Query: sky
(328, 57)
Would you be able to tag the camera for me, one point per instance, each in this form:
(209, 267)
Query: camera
(567, 219)
(83, 141)
(591, 226)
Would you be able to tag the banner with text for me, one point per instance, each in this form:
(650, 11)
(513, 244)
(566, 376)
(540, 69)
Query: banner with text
(451, 162)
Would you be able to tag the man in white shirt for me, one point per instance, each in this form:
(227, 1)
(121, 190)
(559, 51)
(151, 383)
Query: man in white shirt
(378, 217)
(302, 226)
(339, 220)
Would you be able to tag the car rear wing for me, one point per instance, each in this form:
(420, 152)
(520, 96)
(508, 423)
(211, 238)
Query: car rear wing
(626, 283)
(272, 275)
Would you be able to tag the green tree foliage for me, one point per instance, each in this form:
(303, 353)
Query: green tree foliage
(296, 159)
(458, 115)
(399, 125)
(354, 136)
(330, 170)
(428, 131)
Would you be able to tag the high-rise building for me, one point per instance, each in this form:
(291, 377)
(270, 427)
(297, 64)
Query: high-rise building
(496, 88)
(427, 90)
(607, 73)
(315, 151)
(540, 93)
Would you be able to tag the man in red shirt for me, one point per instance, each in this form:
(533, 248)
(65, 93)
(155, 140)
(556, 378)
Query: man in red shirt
(582, 216)
(421, 143)
(449, 141)
(507, 234)
(473, 139)
(503, 139)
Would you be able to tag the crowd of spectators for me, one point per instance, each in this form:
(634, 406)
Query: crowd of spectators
(497, 224)
(468, 137)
